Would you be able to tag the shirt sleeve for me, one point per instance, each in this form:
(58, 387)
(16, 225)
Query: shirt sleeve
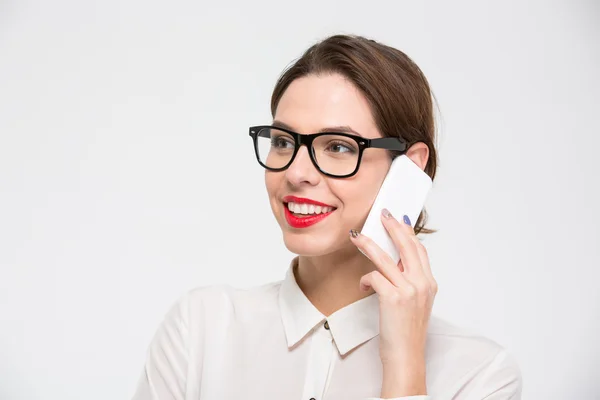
(164, 374)
(501, 380)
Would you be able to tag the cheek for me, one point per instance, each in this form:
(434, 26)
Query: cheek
(272, 183)
(358, 194)
(356, 197)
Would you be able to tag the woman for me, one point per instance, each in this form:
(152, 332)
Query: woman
(338, 326)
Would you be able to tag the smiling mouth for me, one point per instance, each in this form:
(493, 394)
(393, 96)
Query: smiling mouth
(304, 210)
(301, 212)
(304, 215)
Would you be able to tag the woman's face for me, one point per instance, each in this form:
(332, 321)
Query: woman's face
(308, 105)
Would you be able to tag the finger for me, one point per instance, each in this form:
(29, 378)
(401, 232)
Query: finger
(378, 282)
(380, 258)
(422, 250)
(402, 234)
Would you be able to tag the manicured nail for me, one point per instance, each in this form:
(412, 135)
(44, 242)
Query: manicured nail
(386, 213)
(406, 220)
(354, 233)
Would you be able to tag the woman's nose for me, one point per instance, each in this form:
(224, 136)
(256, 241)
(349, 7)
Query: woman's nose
(302, 170)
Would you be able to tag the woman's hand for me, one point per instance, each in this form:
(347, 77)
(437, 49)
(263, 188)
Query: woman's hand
(406, 294)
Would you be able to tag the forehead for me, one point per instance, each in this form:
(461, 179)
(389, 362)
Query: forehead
(313, 102)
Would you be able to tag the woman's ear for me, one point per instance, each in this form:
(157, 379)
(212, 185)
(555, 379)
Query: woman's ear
(419, 154)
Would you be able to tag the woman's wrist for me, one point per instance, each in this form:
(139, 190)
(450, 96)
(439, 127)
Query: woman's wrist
(404, 378)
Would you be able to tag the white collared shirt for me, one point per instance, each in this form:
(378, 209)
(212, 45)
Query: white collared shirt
(270, 343)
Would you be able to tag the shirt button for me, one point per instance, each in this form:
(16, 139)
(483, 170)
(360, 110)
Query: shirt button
(326, 327)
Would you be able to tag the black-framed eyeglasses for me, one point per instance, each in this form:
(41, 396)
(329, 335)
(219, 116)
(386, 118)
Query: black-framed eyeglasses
(334, 154)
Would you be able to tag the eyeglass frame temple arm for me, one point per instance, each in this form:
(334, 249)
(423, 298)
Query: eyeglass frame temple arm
(388, 143)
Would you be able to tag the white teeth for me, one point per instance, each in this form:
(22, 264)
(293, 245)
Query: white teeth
(307, 209)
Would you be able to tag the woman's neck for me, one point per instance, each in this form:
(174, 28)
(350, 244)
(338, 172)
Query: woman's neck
(332, 281)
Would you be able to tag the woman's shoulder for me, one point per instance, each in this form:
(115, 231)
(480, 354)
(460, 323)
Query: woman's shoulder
(227, 292)
(220, 299)
(469, 354)
(443, 331)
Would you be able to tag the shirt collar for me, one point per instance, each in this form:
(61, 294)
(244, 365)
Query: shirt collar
(350, 326)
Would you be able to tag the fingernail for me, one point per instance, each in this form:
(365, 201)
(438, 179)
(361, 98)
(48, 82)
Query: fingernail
(354, 233)
(406, 220)
(386, 213)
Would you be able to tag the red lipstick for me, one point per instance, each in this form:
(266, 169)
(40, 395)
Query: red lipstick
(309, 220)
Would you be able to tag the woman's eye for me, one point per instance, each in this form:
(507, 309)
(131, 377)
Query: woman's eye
(281, 143)
(340, 148)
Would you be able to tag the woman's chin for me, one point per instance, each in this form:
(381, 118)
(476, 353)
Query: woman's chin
(309, 245)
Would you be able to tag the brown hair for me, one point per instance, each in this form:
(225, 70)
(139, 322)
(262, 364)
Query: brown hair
(395, 87)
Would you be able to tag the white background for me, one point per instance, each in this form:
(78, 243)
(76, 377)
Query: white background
(127, 175)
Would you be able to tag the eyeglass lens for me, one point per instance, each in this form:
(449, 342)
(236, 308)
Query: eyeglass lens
(334, 154)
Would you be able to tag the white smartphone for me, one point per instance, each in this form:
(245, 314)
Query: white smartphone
(403, 192)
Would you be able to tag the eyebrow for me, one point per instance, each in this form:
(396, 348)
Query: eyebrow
(339, 128)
